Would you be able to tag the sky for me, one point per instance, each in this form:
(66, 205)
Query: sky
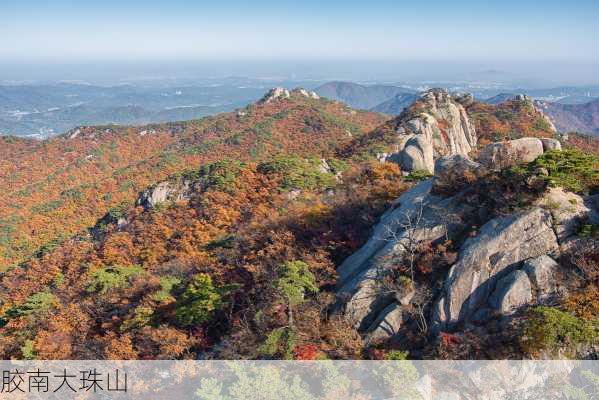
(392, 31)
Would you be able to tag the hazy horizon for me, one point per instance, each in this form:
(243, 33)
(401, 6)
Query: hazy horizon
(550, 43)
(511, 74)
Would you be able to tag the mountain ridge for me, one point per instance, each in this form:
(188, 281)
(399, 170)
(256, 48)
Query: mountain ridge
(583, 118)
(359, 96)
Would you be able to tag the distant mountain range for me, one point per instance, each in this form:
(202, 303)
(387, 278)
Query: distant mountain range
(397, 104)
(43, 110)
(568, 114)
(568, 99)
(583, 118)
(57, 120)
(362, 96)
(500, 98)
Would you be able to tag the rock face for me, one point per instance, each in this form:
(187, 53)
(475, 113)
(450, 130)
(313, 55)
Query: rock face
(505, 266)
(497, 156)
(541, 272)
(512, 292)
(418, 217)
(417, 155)
(592, 202)
(551, 144)
(405, 204)
(360, 274)
(567, 210)
(454, 172)
(163, 192)
(501, 243)
(435, 122)
(387, 324)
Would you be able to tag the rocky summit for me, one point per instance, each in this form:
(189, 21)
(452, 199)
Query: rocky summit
(435, 125)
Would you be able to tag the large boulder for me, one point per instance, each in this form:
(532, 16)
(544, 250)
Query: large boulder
(454, 172)
(500, 155)
(511, 293)
(542, 273)
(501, 243)
(417, 155)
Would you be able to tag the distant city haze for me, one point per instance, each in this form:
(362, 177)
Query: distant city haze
(544, 43)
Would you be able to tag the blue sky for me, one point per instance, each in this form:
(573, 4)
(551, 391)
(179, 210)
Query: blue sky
(109, 30)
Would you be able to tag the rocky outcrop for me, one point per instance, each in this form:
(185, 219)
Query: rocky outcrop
(274, 94)
(282, 93)
(437, 122)
(501, 244)
(523, 98)
(532, 282)
(536, 106)
(165, 191)
(465, 99)
(418, 216)
(310, 94)
(511, 293)
(503, 266)
(500, 155)
(406, 204)
(426, 213)
(360, 275)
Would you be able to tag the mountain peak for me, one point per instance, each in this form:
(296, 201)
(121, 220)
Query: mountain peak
(435, 125)
(274, 94)
(283, 93)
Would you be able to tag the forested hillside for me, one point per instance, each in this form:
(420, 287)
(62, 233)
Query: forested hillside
(59, 187)
(280, 231)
